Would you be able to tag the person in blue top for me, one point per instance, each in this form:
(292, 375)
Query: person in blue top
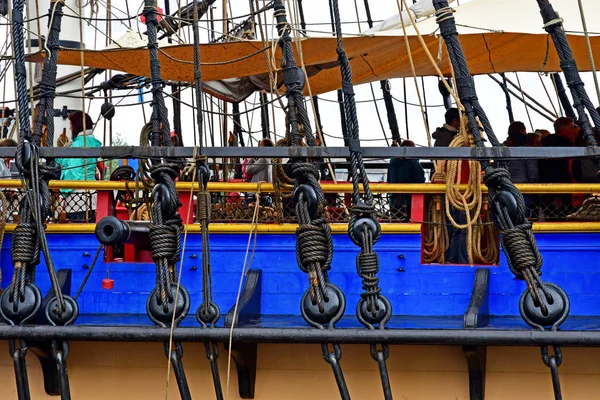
(80, 205)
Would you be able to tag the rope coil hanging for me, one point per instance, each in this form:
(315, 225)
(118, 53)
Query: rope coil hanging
(373, 310)
(542, 305)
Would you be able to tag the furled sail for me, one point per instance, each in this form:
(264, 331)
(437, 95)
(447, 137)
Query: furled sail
(497, 36)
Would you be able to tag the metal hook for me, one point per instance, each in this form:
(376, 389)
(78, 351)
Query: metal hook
(60, 352)
(333, 358)
(381, 355)
(175, 357)
(212, 353)
(553, 362)
(18, 354)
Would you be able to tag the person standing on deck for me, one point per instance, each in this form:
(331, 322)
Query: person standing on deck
(558, 170)
(444, 135)
(402, 170)
(79, 169)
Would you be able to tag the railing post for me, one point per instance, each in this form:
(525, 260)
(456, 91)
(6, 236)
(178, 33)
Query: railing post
(417, 207)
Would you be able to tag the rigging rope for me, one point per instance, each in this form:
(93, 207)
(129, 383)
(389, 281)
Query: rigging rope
(323, 303)
(169, 302)
(542, 305)
(22, 299)
(553, 24)
(373, 310)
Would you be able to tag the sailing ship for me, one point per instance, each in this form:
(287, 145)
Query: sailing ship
(178, 256)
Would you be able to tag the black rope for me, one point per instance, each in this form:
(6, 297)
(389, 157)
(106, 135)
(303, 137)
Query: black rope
(160, 117)
(363, 228)
(323, 304)
(581, 101)
(504, 87)
(47, 85)
(497, 179)
(20, 70)
(264, 116)
(563, 97)
(292, 80)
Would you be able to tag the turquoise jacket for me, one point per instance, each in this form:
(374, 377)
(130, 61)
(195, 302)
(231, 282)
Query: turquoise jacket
(78, 169)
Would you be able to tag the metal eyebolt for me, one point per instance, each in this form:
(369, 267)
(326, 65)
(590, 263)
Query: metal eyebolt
(557, 304)
(334, 307)
(178, 304)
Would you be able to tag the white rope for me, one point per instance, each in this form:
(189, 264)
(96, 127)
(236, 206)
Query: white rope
(589, 48)
(245, 267)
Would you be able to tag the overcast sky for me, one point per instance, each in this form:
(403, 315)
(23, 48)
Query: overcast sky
(129, 120)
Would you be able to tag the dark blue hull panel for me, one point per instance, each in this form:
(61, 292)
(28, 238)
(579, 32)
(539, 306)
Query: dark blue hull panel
(570, 260)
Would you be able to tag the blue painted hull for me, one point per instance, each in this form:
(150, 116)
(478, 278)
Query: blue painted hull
(417, 292)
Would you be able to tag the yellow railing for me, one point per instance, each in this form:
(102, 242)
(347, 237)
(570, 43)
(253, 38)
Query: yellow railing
(527, 188)
(337, 228)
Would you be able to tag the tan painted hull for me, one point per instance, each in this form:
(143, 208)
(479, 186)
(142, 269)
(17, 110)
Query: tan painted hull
(297, 372)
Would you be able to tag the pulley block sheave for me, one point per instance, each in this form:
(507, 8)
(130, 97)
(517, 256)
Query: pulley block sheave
(177, 303)
(63, 317)
(25, 307)
(209, 318)
(307, 194)
(334, 305)
(379, 315)
(554, 313)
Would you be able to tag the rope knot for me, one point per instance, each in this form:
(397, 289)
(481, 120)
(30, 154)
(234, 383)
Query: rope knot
(25, 246)
(305, 172)
(204, 206)
(165, 242)
(314, 246)
(496, 178)
(521, 250)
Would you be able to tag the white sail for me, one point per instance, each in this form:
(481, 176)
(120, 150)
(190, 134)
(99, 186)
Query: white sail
(421, 9)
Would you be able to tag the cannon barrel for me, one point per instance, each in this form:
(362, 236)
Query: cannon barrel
(113, 231)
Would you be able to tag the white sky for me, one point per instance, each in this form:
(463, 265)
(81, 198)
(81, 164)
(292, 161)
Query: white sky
(129, 120)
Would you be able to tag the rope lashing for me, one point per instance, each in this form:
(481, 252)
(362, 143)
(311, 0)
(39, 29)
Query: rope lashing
(47, 85)
(165, 232)
(553, 24)
(160, 118)
(169, 302)
(520, 247)
(367, 261)
(314, 245)
(323, 304)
